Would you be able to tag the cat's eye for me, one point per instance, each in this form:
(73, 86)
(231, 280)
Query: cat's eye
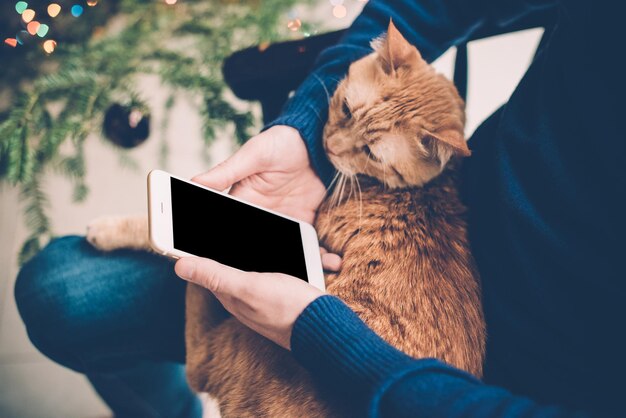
(346, 109)
(368, 151)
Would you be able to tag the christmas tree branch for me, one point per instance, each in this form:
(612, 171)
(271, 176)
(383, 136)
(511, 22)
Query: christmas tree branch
(184, 45)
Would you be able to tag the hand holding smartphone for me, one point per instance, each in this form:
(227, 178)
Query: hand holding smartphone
(187, 219)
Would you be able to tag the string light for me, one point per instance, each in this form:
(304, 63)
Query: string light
(54, 10)
(22, 36)
(76, 10)
(28, 15)
(43, 30)
(294, 25)
(340, 11)
(170, 2)
(263, 46)
(49, 46)
(33, 27)
(20, 6)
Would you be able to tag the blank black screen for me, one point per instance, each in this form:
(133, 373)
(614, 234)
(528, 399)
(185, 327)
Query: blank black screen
(210, 225)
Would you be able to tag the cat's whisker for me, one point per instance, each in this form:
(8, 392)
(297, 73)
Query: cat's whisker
(351, 187)
(324, 86)
(384, 164)
(336, 196)
(343, 189)
(383, 161)
(358, 184)
(367, 161)
(343, 186)
(333, 198)
(333, 192)
(342, 180)
(332, 182)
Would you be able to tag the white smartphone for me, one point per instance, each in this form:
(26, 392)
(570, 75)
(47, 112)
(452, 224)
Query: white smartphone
(188, 219)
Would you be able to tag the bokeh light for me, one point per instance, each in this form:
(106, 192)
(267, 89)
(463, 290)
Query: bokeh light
(263, 45)
(54, 10)
(43, 30)
(20, 6)
(76, 10)
(22, 37)
(33, 27)
(92, 3)
(49, 46)
(340, 11)
(28, 15)
(294, 24)
(11, 42)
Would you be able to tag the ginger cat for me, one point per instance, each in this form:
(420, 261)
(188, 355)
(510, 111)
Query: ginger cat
(395, 129)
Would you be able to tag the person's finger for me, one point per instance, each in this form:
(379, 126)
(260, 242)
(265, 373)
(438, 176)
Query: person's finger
(331, 262)
(323, 251)
(240, 165)
(211, 275)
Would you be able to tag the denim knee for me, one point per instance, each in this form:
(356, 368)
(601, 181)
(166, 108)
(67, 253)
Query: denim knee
(45, 305)
(94, 311)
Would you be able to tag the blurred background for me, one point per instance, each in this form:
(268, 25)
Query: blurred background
(94, 94)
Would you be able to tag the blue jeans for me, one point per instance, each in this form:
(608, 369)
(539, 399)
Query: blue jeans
(116, 317)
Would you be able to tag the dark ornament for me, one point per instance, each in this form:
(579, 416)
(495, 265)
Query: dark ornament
(125, 126)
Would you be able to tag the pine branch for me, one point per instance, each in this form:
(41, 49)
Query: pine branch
(35, 205)
(183, 45)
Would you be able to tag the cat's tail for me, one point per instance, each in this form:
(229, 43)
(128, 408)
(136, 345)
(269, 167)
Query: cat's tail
(203, 313)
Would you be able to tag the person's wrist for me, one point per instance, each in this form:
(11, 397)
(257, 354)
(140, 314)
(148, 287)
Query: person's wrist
(291, 142)
(316, 156)
(286, 132)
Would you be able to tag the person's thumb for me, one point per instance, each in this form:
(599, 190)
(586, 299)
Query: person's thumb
(240, 165)
(210, 274)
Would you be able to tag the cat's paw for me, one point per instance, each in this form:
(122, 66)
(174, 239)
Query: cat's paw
(104, 233)
(113, 232)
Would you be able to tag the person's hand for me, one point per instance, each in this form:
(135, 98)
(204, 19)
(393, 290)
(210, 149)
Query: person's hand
(273, 170)
(268, 303)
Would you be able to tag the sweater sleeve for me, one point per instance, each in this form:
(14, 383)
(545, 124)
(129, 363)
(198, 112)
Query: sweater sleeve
(431, 25)
(349, 359)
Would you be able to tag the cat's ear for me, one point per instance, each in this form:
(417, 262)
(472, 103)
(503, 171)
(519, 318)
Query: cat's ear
(445, 143)
(394, 51)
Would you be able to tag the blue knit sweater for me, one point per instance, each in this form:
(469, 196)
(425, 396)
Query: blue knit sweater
(546, 189)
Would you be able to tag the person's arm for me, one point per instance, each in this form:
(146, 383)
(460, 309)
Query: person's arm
(346, 357)
(432, 26)
(338, 349)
